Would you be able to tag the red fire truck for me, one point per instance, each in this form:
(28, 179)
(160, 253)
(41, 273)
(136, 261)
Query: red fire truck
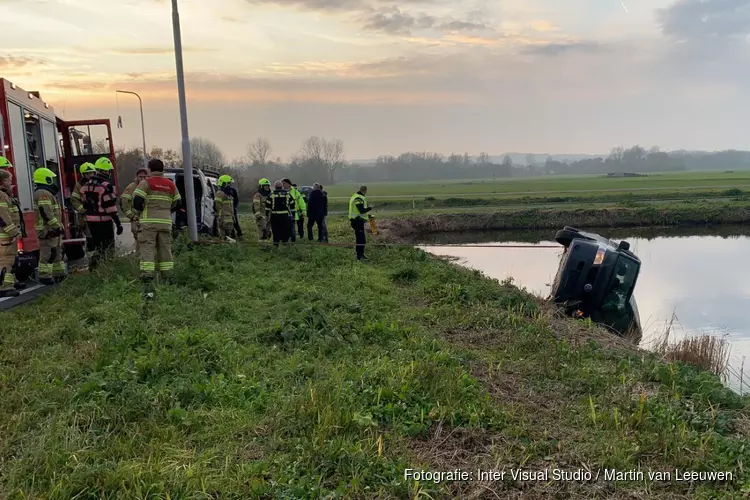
(32, 136)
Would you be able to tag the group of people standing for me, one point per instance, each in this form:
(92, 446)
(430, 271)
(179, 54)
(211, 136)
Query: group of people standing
(280, 214)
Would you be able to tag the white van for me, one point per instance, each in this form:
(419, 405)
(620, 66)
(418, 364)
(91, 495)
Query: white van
(205, 186)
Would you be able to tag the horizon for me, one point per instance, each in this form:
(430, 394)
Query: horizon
(387, 78)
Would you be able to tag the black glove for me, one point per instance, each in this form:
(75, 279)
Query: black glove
(119, 230)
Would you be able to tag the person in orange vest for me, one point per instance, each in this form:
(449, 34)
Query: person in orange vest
(100, 201)
(154, 201)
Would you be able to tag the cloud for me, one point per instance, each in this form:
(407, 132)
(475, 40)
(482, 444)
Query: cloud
(689, 20)
(706, 40)
(342, 5)
(394, 21)
(10, 63)
(556, 49)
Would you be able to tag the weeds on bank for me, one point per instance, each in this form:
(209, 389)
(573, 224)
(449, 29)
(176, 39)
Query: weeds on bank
(297, 373)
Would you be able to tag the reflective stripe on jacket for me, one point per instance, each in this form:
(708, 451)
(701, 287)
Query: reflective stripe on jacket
(160, 198)
(300, 207)
(126, 201)
(224, 209)
(10, 218)
(48, 215)
(357, 206)
(100, 199)
(280, 202)
(76, 199)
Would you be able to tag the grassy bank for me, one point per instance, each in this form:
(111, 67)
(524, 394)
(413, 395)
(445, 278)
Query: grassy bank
(410, 226)
(298, 373)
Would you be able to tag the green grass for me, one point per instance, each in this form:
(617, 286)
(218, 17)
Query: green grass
(555, 184)
(299, 373)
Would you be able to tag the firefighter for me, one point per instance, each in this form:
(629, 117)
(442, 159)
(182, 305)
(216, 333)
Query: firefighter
(11, 227)
(48, 227)
(225, 208)
(300, 207)
(358, 209)
(87, 171)
(126, 204)
(154, 201)
(100, 201)
(280, 204)
(262, 215)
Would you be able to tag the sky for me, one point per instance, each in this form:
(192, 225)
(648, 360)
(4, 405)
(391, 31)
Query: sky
(532, 76)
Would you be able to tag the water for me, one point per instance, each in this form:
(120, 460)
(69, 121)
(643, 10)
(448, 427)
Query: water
(701, 276)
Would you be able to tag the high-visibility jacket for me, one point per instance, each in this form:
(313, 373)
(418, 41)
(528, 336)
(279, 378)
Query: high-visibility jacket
(154, 200)
(100, 199)
(224, 208)
(259, 204)
(48, 214)
(76, 199)
(126, 201)
(10, 218)
(358, 206)
(300, 207)
(280, 202)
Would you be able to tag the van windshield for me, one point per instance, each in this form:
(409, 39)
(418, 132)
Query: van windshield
(622, 283)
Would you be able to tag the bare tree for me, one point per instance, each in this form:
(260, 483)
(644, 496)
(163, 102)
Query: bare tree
(530, 160)
(313, 150)
(333, 155)
(206, 153)
(258, 151)
(483, 159)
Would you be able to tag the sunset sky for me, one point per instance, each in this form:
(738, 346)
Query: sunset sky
(557, 76)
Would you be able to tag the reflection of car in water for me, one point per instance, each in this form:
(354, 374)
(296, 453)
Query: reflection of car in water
(596, 279)
(205, 186)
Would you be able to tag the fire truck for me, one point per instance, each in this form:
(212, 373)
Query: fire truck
(31, 137)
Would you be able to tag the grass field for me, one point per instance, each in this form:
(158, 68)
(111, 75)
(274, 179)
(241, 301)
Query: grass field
(541, 192)
(545, 185)
(299, 373)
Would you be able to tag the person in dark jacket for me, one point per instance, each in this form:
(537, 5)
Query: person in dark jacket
(325, 214)
(316, 212)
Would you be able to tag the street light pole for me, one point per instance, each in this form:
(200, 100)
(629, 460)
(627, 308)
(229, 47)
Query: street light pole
(186, 157)
(143, 126)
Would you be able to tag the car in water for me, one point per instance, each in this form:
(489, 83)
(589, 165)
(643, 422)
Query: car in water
(596, 279)
(205, 187)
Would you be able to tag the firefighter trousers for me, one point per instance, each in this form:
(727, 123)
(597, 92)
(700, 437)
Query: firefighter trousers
(281, 226)
(51, 258)
(102, 240)
(156, 251)
(264, 227)
(227, 229)
(134, 228)
(7, 258)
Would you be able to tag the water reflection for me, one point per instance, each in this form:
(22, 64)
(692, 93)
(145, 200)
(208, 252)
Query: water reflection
(700, 275)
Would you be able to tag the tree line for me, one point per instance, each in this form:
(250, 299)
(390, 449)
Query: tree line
(323, 160)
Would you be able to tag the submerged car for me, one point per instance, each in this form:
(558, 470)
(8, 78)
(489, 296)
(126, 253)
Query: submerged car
(596, 279)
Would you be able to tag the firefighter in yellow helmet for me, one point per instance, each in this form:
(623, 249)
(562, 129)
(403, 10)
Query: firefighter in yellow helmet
(126, 204)
(11, 228)
(261, 212)
(225, 221)
(48, 227)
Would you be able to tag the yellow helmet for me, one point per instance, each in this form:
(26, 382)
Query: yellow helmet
(103, 164)
(225, 180)
(87, 168)
(4, 163)
(44, 176)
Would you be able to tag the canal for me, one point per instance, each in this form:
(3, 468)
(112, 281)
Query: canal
(696, 280)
